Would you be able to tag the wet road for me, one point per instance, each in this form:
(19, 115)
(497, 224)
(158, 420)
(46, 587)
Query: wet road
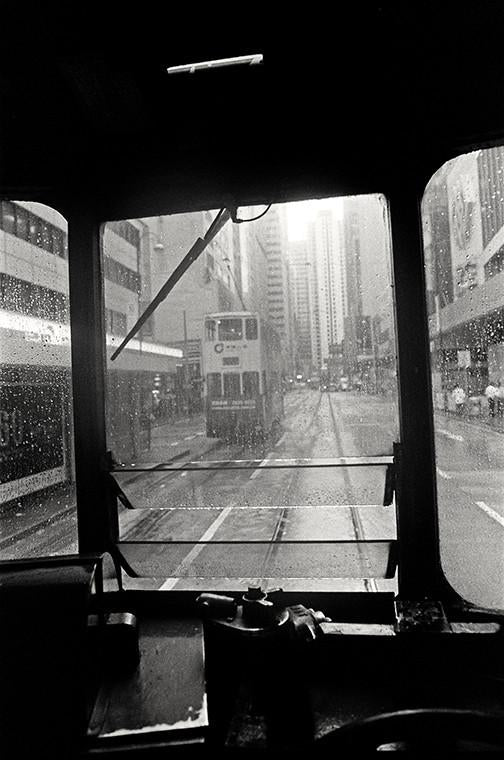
(291, 515)
(270, 506)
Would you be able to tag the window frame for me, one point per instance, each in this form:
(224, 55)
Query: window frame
(420, 573)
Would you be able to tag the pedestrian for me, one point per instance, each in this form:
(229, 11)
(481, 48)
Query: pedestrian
(499, 399)
(459, 397)
(491, 392)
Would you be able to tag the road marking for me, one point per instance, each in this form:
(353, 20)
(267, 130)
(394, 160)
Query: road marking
(264, 462)
(491, 512)
(176, 443)
(190, 437)
(281, 439)
(186, 562)
(447, 433)
(443, 474)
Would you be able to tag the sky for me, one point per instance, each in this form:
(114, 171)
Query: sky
(302, 212)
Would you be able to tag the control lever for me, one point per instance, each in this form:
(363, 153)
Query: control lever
(261, 614)
(256, 664)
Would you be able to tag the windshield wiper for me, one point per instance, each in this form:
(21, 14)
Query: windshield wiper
(199, 246)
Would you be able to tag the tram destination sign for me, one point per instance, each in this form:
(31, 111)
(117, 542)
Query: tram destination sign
(233, 403)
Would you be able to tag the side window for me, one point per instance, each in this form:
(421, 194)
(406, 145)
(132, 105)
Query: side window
(250, 383)
(210, 329)
(463, 226)
(214, 384)
(8, 217)
(231, 384)
(251, 329)
(37, 495)
(22, 226)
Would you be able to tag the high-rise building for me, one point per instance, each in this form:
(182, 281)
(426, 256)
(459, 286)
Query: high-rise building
(369, 339)
(326, 253)
(271, 233)
(302, 306)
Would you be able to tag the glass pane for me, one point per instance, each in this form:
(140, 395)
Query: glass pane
(270, 364)
(250, 383)
(463, 221)
(231, 384)
(214, 384)
(251, 329)
(210, 329)
(37, 496)
(230, 329)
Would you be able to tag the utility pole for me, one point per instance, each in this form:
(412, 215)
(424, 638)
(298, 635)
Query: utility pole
(186, 367)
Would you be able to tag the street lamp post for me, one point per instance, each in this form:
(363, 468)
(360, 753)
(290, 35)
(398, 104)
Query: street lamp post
(186, 367)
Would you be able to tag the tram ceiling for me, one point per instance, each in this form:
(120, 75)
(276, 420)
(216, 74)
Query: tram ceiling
(329, 100)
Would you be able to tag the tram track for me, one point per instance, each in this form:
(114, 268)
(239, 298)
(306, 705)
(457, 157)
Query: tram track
(283, 514)
(358, 528)
(148, 527)
(155, 515)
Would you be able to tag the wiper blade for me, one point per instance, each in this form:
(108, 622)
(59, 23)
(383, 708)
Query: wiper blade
(199, 246)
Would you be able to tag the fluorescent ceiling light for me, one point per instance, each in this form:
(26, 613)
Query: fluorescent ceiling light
(219, 63)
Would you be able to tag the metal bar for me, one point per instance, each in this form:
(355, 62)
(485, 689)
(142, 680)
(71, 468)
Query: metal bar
(270, 464)
(334, 542)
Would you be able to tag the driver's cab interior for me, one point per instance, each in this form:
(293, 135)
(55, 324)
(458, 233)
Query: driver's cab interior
(251, 337)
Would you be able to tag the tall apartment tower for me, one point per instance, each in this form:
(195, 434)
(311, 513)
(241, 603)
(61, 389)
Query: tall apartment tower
(272, 232)
(302, 305)
(369, 347)
(328, 281)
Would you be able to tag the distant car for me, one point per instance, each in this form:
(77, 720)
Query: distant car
(332, 387)
(343, 383)
(324, 387)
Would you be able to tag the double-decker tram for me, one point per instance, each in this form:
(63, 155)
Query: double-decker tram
(242, 387)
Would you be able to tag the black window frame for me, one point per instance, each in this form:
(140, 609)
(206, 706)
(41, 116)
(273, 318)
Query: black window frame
(420, 573)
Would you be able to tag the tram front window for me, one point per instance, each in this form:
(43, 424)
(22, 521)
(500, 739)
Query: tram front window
(230, 329)
(237, 474)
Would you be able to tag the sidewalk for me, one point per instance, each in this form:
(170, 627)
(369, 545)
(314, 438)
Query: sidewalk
(483, 420)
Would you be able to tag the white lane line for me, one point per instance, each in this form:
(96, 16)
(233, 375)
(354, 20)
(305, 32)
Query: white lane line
(444, 474)
(448, 434)
(186, 562)
(281, 439)
(491, 512)
(175, 443)
(264, 462)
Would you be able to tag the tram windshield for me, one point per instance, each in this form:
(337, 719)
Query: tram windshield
(224, 447)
